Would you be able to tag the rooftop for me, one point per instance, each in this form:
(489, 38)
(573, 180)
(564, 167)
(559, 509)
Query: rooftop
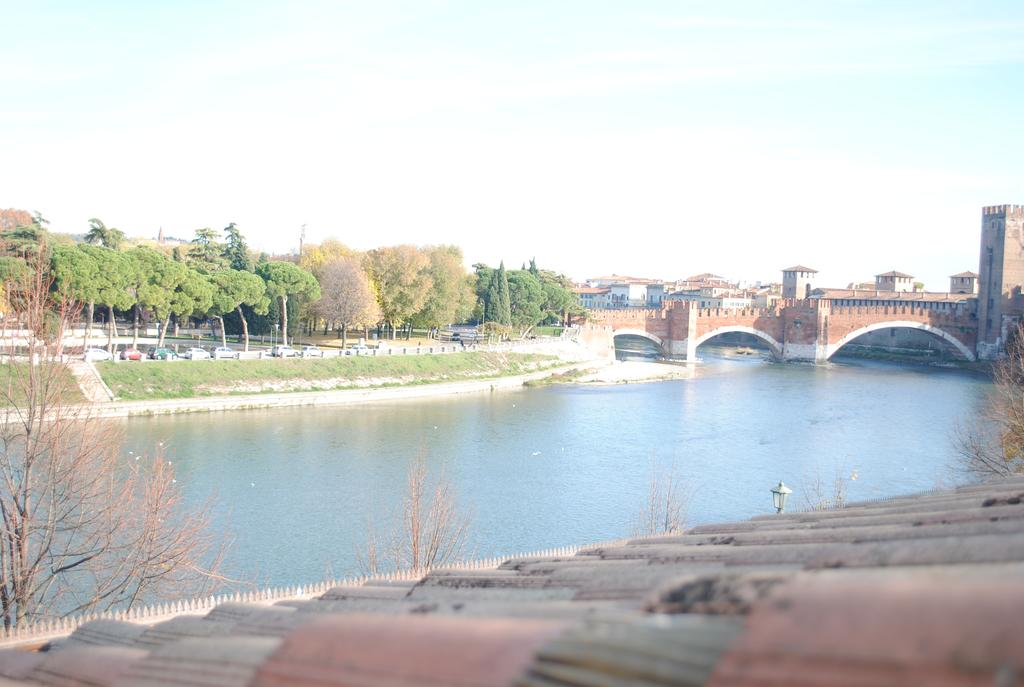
(968, 274)
(908, 296)
(800, 268)
(921, 589)
(894, 273)
(620, 279)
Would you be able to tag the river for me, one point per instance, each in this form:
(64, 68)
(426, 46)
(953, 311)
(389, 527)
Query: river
(543, 467)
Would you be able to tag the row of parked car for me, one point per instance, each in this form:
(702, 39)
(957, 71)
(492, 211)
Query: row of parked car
(218, 353)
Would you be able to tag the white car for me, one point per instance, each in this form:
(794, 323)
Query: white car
(281, 351)
(357, 349)
(224, 353)
(93, 355)
(196, 354)
(312, 352)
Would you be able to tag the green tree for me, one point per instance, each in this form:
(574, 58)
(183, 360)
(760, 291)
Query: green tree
(560, 299)
(26, 240)
(236, 252)
(76, 276)
(102, 235)
(526, 299)
(504, 299)
(287, 280)
(114, 277)
(492, 299)
(233, 289)
(403, 282)
(207, 253)
(164, 288)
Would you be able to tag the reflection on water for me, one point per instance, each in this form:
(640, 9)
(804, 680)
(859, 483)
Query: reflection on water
(553, 466)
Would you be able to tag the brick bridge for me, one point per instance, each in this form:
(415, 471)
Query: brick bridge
(812, 329)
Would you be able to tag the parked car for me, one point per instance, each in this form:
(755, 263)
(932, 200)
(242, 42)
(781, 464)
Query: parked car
(93, 355)
(224, 353)
(162, 354)
(131, 354)
(312, 352)
(196, 354)
(282, 351)
(357, 349)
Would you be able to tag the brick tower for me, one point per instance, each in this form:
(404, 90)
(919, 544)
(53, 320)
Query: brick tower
(1001, 276)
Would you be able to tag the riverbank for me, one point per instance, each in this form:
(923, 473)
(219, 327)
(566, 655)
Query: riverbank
(622, 372)
(343, 397)
(204, 378)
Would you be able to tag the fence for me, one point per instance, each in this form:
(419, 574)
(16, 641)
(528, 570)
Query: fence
(46, 630)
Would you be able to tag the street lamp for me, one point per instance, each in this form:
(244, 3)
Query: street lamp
(779, 495)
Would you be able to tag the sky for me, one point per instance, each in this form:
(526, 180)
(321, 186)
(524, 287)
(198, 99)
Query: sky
(656, 139)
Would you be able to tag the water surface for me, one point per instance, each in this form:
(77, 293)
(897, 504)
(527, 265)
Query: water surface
(552, 466)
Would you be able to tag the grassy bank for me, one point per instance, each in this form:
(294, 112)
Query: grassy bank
(185, 378)
(12, 381)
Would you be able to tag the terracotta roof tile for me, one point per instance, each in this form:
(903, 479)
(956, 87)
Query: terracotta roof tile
(407, 651)
(818, 593)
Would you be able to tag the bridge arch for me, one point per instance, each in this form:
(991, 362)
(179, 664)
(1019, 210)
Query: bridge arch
(642, 334)
(960, 347)
(775, 346)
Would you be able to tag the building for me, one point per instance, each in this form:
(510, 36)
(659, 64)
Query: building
(797, 281)
(894, 281)
(964, 282)
(593, 298)
(623, 292)
(1001, 275)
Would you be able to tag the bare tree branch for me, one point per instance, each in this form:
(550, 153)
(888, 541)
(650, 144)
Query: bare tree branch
(81, 528)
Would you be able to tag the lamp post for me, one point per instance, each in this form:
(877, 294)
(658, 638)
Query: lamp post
(779, 495)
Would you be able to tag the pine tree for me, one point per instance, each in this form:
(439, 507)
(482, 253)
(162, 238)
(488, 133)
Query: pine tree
(504, 300)
(533, 267)
(235, 250)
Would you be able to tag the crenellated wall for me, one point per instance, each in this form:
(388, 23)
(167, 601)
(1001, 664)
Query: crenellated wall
(811, 329)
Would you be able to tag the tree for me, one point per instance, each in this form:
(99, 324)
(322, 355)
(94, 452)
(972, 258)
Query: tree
(191, 296)
(504, 299)
(450, 298)
(433, 531)
(113, 283)
(26, 240)
(12, 218)
(84, 528)
(284, 280)
(153, 278)
(206, 253)
(164, 288)
(315, 257)
(994, 445)
(492, 300)
(665, 506)
(403, 282)
(559, 298)
(526, 299)
(231, 290)
(76, 273)
(236, 252)
(347, 297)
(100, 234)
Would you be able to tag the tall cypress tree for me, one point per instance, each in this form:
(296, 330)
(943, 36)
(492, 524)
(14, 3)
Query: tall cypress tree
(505, 301)
(492, 300)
